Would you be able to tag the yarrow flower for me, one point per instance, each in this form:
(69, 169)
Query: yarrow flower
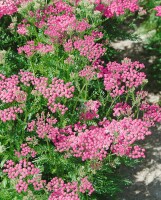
(88, 48)
(122, 109)
(116, 7)
(158, 9)
(119, 78)
(9, 7)
(23, 171)
(90, 110)
(151, 113)
(30, 48)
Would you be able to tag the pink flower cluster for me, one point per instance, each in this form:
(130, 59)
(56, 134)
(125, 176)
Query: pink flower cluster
(119, 78)
(25, 150)
(10, 113)
(68, 191)
(61, 190)
(116, 7)
(125, 133)
(86, 186)
(158, 9)
(122, 109)
(9, 89)
(57, 20)
(90, 110)
(87, 144)
(151, 113)
(23, 171)
(88, 72)
(30, 48)
(22, 29)
(8, 7)
(10, 92)
(94, 142)
(44, 127)
(51, 92)
(89, 48)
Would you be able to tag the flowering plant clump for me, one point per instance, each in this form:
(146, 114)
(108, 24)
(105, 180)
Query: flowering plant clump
(69, 116)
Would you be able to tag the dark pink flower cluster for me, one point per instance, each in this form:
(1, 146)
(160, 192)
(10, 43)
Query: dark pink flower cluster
(8, 7)
(30, 48)
(151, 113)
(122, 109)
(125, 133)
(57, 20)
(51, 92)
(22, 171)
(68, 191)
(61, 190)
(89, 48)
(158, 9)
(116, 7)
(119, 78)
(90, 110)
(25, 151)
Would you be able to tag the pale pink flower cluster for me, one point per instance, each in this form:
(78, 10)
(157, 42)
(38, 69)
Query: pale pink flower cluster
(88, 72)
(22, 29)
(9, 7)
(86, 186)
(11, 92)
(158, 9)
(141, 95)
(151, 113)
(89, 48)
(122, 109)
(10, 113)
(21, 172)
(44, 127)
(25, 151)
(116, 7)
(30, 48)
(68, 45)
(9, 88)
(90, 110)
(119, 78)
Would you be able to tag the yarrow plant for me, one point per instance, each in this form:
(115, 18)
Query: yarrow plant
(69, 116)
